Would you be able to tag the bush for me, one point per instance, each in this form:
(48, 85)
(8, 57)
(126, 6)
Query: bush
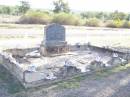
(94, 22)
(110, 24)
(126, 24)
(114, 24)
(35, 17)
(67, 19)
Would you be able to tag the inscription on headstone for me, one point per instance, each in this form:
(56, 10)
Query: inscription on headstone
(54, 32)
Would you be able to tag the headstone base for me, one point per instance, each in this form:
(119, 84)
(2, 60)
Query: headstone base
(48, 51)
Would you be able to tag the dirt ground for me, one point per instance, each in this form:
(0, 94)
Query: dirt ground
(31, 37)
(109, 83)
(116, 85)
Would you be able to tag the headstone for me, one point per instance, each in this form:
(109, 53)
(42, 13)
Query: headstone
(54, 32)
(54, 40)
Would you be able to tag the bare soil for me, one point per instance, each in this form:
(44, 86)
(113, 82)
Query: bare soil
(96, 36)
(109, 83)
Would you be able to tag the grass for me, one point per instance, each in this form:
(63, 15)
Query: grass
(75, 81)
(72, 83)
(13, 85)
(107, 72)
(21, 26)
(4, 37)
(69, 85)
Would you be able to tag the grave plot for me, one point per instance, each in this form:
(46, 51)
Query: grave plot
(55, 60)
(33, 69)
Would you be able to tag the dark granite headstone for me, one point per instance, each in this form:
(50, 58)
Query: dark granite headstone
(54, 35)
(54, 32)
(54, 39)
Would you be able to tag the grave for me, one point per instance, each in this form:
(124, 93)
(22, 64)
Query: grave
(54, 41)
(34, 66)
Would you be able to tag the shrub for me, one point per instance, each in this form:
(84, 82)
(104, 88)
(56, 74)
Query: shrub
(94, 22)
(114, 24)
(67, 19)
(35, 17)
(110, 24)
(126, 24)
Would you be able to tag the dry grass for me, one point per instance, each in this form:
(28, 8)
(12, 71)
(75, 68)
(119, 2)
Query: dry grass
(18, 26)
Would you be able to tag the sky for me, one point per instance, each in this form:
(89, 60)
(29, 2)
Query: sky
(78, 5)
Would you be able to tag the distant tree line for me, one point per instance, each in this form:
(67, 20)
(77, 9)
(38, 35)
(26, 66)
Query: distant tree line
(20, 9)
(106, 15)
(63, 15)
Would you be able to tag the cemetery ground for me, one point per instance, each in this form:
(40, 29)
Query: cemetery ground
(106, 83)
(32, 35)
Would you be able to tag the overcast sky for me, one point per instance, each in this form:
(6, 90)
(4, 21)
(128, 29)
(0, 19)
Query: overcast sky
(78, 5)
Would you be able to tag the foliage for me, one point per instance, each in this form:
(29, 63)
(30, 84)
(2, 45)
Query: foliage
(24, 7)
(126, 24)
(127, 17)
(35, 17)
(5, 9)
(92, 22)
(67, 19)
(61, 6)
(61, 14)
(114, 23)
(118, 15)
(98, 15)
(87, 15)
(118, 24)
(106, 15)
(15, 10)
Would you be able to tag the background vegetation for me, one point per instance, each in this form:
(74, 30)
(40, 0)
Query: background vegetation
(63, 15)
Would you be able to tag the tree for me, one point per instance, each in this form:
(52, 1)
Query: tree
(61, 6)
(87, 15)
(118, 15)
(16, 10)
(128, 17)
(24, 7)
(6, 10)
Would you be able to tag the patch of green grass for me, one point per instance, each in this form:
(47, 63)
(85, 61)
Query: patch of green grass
(98, 74)
(107, 72)
(79, 78)
(69, 85)
(121, 68)
(74, 82)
